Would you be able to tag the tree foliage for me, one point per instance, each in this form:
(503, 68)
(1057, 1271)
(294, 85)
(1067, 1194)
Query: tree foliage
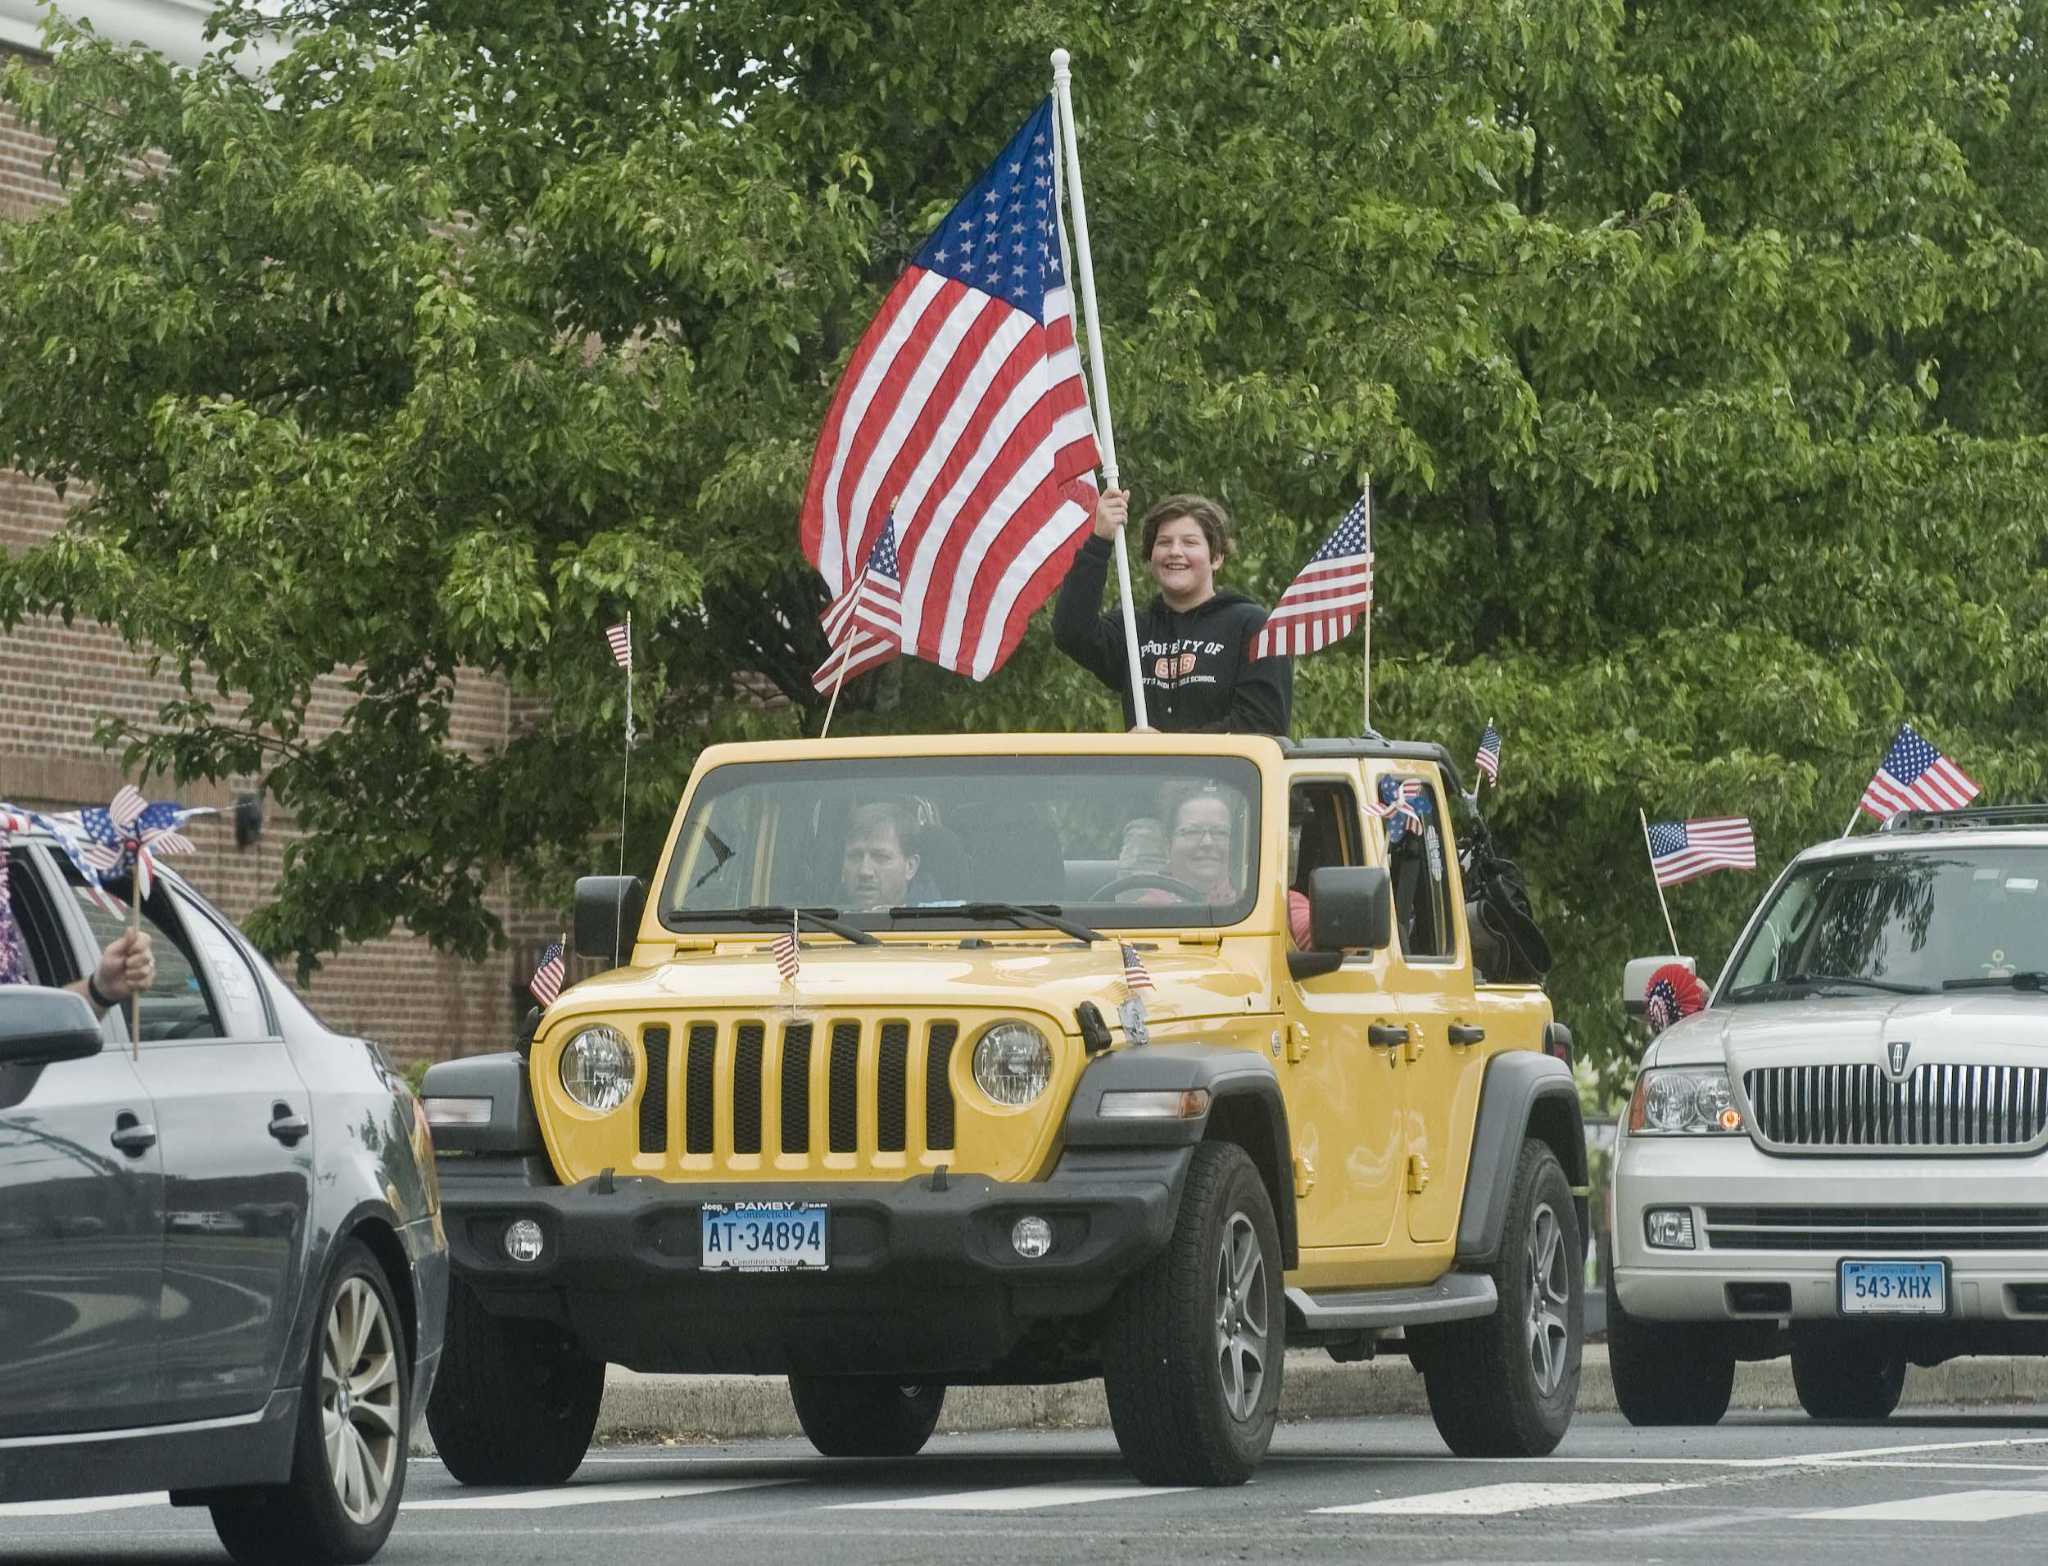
(1688, 348)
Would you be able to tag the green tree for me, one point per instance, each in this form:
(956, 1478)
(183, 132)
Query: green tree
(1688, 348)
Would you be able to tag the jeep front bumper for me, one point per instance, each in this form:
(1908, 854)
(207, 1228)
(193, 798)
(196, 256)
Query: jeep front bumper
(919, 1279)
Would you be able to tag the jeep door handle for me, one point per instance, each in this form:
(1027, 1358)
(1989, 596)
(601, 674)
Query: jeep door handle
(1384, 1035)
(132, 1137)
(1466, 1033)
(286, 1126)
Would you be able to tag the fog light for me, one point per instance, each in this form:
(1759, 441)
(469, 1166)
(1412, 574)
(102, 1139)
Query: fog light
(1669, 1228)
(1031, 1237)
(522, 1240)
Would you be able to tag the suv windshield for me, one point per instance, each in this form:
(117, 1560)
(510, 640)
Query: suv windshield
(1117, 840)
(1906, 921)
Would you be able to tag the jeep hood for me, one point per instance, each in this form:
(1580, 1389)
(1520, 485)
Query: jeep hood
(1966, 1026)
(1189, 982)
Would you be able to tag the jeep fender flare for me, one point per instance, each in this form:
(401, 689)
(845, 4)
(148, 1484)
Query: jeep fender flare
(1245, 1106)
(1524, 1095)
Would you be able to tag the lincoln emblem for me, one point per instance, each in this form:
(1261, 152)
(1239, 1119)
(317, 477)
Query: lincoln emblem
(1895, 1055)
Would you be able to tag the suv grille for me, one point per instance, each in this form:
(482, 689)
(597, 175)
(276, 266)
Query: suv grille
(1937, 1107)
(771, 1091)
(1878, 1228)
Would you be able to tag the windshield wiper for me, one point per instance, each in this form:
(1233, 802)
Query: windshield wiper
(1815, 981)
(2025, 979)
(1045, 915)
(767, 913)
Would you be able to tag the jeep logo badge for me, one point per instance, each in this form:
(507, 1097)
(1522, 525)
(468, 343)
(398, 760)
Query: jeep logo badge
(1895, 1056)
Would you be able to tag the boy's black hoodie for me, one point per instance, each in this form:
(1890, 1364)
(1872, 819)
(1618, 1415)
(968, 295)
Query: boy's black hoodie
(1195, 666)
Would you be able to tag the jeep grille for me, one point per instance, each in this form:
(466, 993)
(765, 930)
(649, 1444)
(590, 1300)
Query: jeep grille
(1935, 1108)
(770, 1090)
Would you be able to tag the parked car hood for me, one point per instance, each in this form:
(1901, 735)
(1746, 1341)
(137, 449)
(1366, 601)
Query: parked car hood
(1980, 1026)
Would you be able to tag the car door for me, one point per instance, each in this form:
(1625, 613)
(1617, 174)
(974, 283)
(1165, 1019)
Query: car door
(237, 1139)
(81, 1211)
(1340, 1071)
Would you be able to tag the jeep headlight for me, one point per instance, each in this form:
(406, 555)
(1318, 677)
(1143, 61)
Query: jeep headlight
(1012, 1063)
(1683, 1101)
(597, 1068)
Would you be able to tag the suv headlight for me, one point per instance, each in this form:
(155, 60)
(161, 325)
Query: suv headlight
(1012, 1063)
(1683, 1101)
(598, 1069)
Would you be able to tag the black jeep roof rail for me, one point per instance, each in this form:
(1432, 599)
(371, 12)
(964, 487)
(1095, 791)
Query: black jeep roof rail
(1978, 816)
(1384, 749)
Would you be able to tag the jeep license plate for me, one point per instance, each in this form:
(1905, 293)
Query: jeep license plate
(1894, 1288)
(764, 1236)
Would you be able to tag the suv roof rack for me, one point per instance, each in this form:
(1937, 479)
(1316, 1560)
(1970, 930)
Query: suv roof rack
(1980, 816)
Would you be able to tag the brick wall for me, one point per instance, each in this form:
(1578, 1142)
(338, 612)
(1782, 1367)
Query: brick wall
(57, 682)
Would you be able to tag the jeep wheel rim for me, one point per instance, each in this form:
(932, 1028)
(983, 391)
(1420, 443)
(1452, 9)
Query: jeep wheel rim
(360, 1401)
(1241, 1322)
(1550, 1293)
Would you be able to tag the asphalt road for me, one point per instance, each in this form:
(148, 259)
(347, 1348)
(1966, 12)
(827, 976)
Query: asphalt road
(1968, 1487)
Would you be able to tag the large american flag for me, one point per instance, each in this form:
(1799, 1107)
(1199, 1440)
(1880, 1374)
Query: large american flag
(1916, 776)
(1332, 591)
(864, 624)
(963, 409)
(1680, 850)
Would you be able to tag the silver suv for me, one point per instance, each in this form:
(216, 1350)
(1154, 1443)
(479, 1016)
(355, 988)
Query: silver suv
(1845, 1154)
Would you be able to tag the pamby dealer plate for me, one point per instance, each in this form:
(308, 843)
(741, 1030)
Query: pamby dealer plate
(765, 1237)
(1894, 1288)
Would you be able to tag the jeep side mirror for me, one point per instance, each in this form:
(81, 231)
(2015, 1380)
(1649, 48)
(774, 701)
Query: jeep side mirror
(39, 1026)
(1350, 908)
(608, 909)
(1635, 978)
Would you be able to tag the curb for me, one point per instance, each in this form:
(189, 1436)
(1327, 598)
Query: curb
(642, 1408)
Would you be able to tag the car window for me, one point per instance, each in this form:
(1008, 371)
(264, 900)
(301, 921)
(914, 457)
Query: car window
(1419, 868)
(32, 924)
(235, 987)
(179, 1004)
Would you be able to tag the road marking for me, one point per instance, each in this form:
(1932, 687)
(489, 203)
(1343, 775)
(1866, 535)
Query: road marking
(82, 1504)
(1018, 1498)
(585, 1495)
(1494, 1500)
(1949, 1507)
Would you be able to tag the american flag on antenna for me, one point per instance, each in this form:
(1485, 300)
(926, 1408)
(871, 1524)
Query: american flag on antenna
(546, 982)
(1916, 776)
(621, 638)
(864, 624)
(1488, 759)
(1681, 850)
(1136, 975)
(964, 398)
(1332, 591)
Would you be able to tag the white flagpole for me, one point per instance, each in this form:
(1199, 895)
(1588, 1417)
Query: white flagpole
(1063, 116)
(625, 776)
(1661, 903)
(838, 679)
(1369, 606)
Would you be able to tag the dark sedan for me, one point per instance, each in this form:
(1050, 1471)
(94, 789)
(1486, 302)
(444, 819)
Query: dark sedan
(222, 1267)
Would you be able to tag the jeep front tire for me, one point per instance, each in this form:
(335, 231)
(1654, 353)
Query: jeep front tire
(515, 1402)
(1505, 1384)
(1196, 1340)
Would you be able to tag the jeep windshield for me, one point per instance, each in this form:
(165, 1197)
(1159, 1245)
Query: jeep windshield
(966, 841)
(1907, 922)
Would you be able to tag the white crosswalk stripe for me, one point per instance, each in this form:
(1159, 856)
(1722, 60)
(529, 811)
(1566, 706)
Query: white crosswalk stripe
(1949, 1506)
(1496, 1500)
(1017, 1498)
(600, 1494)
(80, 1506)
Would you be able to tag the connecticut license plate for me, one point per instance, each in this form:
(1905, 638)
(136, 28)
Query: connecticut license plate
(764, 1236)
(1894, 1288)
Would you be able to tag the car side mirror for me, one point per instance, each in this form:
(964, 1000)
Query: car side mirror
(1350, 908)
(608, 909)
(1635, 979)
(39, 1026)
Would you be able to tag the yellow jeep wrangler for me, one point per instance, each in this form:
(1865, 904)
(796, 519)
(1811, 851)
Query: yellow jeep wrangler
(1001, 1059)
